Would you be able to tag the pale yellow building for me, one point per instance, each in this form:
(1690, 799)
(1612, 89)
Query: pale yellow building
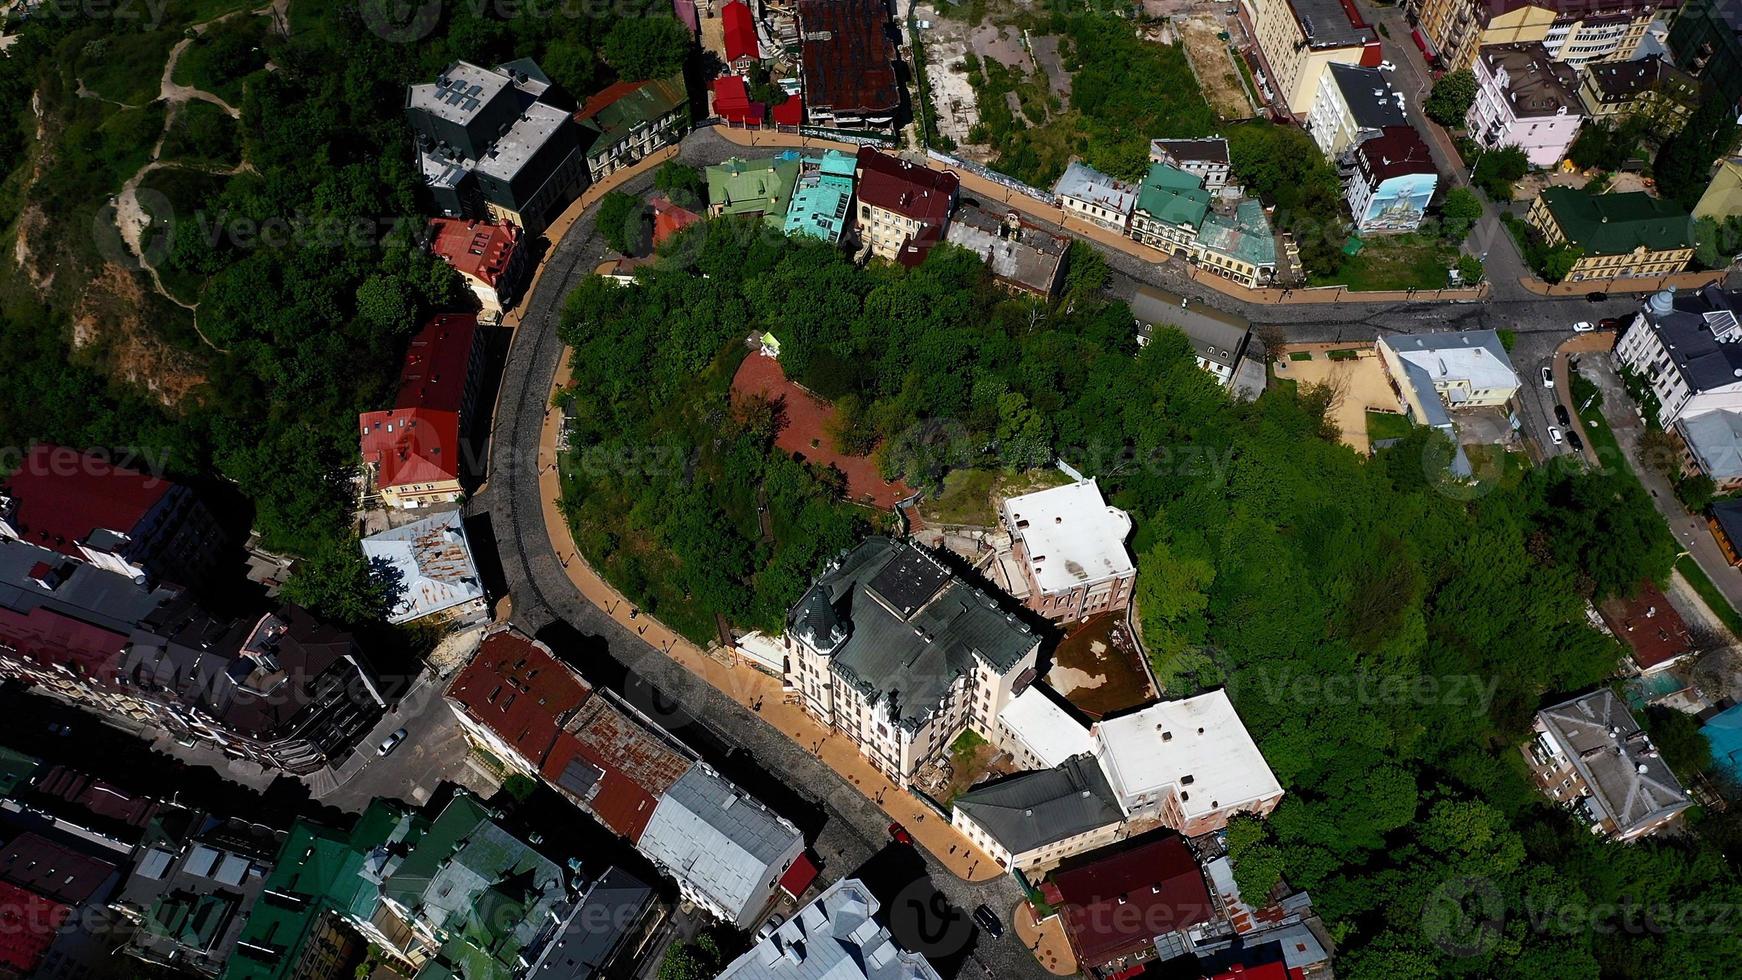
(1298, 38)
(1723, 196)
(1573, 31)
(1621, 235)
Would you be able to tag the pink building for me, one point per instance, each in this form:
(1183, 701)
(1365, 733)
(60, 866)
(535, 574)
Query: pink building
(1525, 98)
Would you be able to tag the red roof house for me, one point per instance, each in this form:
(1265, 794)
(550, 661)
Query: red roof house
(1275, 970)
(61, 497)
(618, 767)
(487, 254)
(732, 102)
(514, 688)
(1115, 907)
(669, 219)
(1650, 627)
(740, 32)
(416, 443)
(61, 873)
(790, 112)
(28, 923)
(798, 877)
(918, 194)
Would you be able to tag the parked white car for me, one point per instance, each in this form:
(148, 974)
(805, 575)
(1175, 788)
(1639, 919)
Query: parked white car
(1547, 378)
(1554, 435)
(1584, 326)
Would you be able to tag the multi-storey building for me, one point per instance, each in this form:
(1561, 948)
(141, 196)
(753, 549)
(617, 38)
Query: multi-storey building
(1298, 38)
(435, 576)
(1389, 181)
(1032, 821)
(1618, 235)
(190, 893)
(629, 120)
(848, 55)
(1617, 89)
(1688, 347)
(1525, 99)
(893, 650)
(1170, 209)
(1023, 258)
(493, 143)
(901, 204)
(1221, 341)
(1240, 246)
(1189, 763)
(1068, 547)
(415, 453)
(1352, 103)
(1206, 159)
(839, 936)
(487, 255)
(1095, 197)
(1437, 373)
(138, 525)
(1590, 755)
(1574, 31)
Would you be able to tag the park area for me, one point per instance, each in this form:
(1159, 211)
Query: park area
(1406, 261)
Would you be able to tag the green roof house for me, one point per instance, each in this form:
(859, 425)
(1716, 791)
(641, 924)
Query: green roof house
(822, 200)
(16, 768)
(629, 120)
(1239, 246)
(479, 903)
(1632, 234)
(753, 187)
(320, 877)
(1171, 206)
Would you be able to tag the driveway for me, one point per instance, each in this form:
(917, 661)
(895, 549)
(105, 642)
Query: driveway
(434, 750)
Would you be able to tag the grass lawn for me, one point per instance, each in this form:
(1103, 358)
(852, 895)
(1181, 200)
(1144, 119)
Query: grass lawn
(1396, 262)
(1708, 590)
(1599, 439)
(1387, 425)
(967, 496)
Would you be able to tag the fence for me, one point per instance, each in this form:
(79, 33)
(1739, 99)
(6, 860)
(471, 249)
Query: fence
(987, 173)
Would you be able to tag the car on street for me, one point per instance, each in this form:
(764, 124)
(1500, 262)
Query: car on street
(1584, 326)
(988, 920)
(1561, 416)
(900, 834)
(1574, 441)
(773, 923)
(390, 743)
(1554, 435)
(1547, 378)
(1612, 323)
(1596, 297)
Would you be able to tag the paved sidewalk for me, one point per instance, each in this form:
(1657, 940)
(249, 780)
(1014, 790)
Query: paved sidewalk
(1046, 940)
(748, 686)
(1642, 284)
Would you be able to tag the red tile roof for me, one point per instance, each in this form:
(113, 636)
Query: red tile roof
(418, 440)
(517, 689)
(916, 192)
(61, 495)
(60, 873)
(790, 112)
(95, 796)
(804, 431)
(669, 219)
(732, 102)
(480, 249)
(48, 637)
(1649, 626)
(1116, 906)
(28, 924)
(1275, 970)
(740, 31)
(1396, 151)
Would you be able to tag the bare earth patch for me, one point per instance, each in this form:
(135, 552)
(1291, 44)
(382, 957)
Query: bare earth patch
(1214, 66)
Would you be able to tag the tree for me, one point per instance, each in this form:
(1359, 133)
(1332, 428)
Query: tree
(336, 582)
(682, 183)
(1470, 269)
(622, 219)
(1085, 270)
(1498, 169)
(1558, 261)
(520, 787)
(698, 959)
(1459, 212)
(1684, 162)
(646, 47)
(1715, 243)
(1696, 492)
(1451, 98)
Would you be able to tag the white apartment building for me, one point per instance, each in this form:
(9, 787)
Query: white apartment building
(1095, 197)
(891, 649)
(1351, 104)
(1525, 98)
(1689, 348)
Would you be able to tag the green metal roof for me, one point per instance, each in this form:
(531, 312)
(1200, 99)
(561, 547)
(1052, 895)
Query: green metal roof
(754, 187)
(820, 206)
(15, 769)
(1616, 224)
(318, 870)
(617, 110)
(1245, 236)
(1170, 194)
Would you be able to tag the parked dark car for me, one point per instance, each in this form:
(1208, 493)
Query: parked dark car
(1574, 441)
(1596, 297)
(1612, 323)
(988, 920)
(1561, 416)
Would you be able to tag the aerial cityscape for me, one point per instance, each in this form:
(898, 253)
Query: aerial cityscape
(870, 489)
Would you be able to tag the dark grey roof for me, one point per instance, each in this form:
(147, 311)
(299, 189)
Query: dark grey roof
(1035, 809)
(1684, 324)
(911, 626)
(1728, 514)
(1370, 97)
(1210, 149)
(1216, 336)
(595, 929)
(1326, 24)
(1628, 778)
(85, 592)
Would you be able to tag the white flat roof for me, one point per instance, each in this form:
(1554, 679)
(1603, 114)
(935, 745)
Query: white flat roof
(1476, 356)
(1201, 738)
(1045, 728)
(1072, 537)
